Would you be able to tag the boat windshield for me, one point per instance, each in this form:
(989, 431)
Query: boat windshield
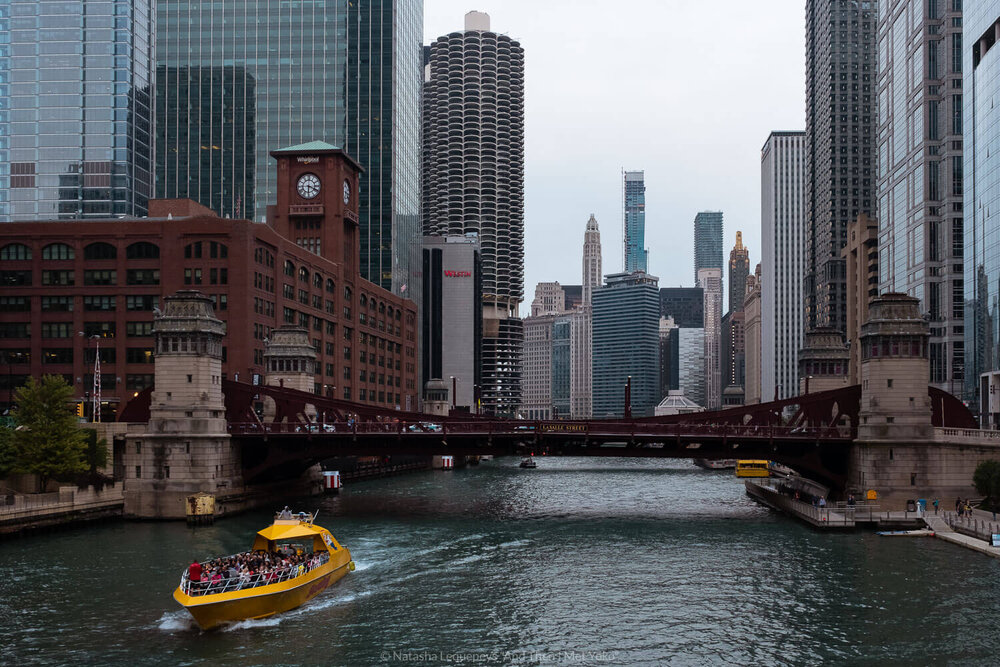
(251, 569)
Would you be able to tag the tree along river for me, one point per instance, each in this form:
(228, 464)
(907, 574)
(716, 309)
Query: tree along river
(581, 561)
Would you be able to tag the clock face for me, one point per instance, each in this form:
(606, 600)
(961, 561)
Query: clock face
(347, 192)
(308, 186)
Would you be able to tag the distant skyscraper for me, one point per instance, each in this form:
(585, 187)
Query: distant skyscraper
(473, 181)
(707, 243)
(711, 282)
(927, 45)
(783, 263)
(76, 116)
(840, 144)
(739, 269)
(634, 224)
(981, 125)
(691, 363)
(626, 344)
(752, 343)
(686, 305)
(591, 259)
(232, 85)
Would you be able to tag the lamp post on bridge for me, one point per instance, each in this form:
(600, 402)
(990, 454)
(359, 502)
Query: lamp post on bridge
(627, 413)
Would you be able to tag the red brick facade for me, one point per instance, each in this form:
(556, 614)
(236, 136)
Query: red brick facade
(104, 278)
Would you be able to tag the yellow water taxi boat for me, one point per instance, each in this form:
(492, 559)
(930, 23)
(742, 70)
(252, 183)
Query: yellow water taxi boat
(292, 561)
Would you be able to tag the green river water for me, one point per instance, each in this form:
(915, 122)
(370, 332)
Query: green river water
(581, 561)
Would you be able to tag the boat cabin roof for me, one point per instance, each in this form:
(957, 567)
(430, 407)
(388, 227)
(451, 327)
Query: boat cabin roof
(290, 529)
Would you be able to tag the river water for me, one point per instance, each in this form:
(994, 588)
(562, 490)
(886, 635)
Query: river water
(581, 561)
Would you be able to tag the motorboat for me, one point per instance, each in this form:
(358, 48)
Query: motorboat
(292, 561)
(528, 462)
(715, 464)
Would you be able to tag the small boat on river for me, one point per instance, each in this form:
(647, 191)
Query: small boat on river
(292, 561)
(528, 462)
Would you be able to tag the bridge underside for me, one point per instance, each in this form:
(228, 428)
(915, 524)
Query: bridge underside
(286, 455)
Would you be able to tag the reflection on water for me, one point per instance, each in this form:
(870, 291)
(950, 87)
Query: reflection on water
(630, 562)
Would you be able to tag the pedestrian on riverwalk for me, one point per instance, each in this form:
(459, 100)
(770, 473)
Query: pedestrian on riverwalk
(958, 506)
(935, 505)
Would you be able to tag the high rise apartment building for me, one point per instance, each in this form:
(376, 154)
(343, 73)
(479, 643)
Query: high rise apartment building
(76, 116)
(634, 221)
(840, 145)
(783, 263)
(238, 79)
(920, 171)
(626, 344)
(707, 242)
(710, 281)
(473, 181)
(981, 126)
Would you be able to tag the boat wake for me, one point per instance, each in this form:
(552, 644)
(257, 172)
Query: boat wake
(176, 621)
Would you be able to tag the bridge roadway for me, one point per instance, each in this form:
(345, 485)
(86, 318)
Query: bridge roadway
(274, 450)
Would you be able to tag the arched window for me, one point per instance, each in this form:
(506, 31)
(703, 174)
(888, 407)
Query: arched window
(389, 313)
(142, 250)
(372, 304)
(304, 274)
(381, 308)
(218, 250)
(289, 268)
(363, 301)
(331, 287)
(100, 251)
(318, 280)
(347, 294)
(15, 251)
(192, 250)
(58, 251)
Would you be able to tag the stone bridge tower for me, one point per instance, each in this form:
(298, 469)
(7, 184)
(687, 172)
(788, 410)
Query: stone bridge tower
(186, 447)
(896, 453)
(290, 362)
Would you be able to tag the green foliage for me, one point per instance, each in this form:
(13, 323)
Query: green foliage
(97, 450)
(47, 441)
(8, 456)
(987, 481)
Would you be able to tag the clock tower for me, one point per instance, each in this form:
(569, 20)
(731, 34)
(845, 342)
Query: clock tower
(317, 202)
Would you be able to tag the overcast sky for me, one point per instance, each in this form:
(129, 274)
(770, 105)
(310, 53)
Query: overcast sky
(686, 91)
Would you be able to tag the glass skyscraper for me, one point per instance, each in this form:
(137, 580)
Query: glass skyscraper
(981, 86)
(634, 223)
(626, 343)
(920, 141)
(75, 114)
(239, 79)
(707, 242)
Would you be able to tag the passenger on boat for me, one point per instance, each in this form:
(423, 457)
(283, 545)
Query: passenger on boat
(285, 513)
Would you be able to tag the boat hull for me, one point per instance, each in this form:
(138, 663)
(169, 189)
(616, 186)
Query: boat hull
(210, 611)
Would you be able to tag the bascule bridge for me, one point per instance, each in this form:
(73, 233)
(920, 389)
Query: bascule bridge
(245, 443)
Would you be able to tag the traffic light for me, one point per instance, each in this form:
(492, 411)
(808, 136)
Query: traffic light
(79, 408)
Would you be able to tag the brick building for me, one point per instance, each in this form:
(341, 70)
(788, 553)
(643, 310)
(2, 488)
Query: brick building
(68, 289)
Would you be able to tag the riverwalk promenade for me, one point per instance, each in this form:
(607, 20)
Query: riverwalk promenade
(24, 512)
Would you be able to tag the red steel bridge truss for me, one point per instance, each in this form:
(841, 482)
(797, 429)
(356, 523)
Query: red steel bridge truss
(812, 433)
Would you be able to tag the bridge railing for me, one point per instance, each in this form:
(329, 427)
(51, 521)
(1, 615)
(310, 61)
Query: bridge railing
(530, 429)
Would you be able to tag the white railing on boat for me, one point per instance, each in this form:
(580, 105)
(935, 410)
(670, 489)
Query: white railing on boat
(239, 582)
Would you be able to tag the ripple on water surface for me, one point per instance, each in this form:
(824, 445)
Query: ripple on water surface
(649, 562)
